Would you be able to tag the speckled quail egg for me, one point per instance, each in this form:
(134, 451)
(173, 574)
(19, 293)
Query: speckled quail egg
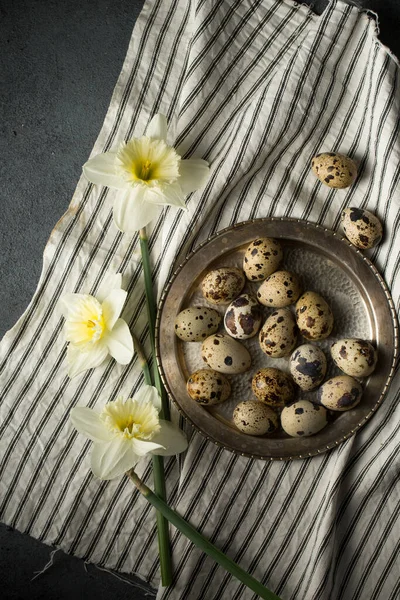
(206, 386)
(354, 357)
(314, 316)
(273, 387)
(334, 170)
(362, 228)
(254, 418)
(340, 393)
(195, 323)
(303, 418)
(308, 366)
(225, 355)
(223, 285)
(243, 317)
(279, 334)
(280, 289)
(262, 258)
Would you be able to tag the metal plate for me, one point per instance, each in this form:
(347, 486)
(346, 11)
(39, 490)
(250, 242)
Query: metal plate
(328, 264)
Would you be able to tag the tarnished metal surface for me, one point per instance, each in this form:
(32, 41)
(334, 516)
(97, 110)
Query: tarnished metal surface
(328, 264)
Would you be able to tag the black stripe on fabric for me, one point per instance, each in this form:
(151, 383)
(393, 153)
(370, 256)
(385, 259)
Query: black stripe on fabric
(230, 503)
(222, 21)
(286, 504)
(152, 66)
(353, 149)
(357, 457)
(128, 545)
(330, 575)
(357, 53)
(254, 88)
(360, 509)
(233, 530)
(196, 497)
(147, 513)
(378, 545)
(271, 496)
(236, 111)
(169, 466)
(297, 528)
(206, 75)
(392, 561)
(319, 37)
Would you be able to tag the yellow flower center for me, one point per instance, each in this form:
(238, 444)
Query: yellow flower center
(85, 324)
(147, 161)
(131, 418)
(145, 172)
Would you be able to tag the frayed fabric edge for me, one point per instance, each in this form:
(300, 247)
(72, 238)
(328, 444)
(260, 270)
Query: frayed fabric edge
(86, 563)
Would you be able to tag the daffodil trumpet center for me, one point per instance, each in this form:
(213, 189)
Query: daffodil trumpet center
(147, 161)
(131, 419)
(85, 325)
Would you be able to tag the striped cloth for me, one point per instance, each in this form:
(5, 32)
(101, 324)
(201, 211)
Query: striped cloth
(256, 87)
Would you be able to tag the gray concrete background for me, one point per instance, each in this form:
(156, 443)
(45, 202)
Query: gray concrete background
(59, 63)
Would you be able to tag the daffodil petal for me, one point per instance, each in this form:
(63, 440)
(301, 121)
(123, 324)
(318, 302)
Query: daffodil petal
(119, 342)
(171, 437)
(132, 212)
(82, 361)
(142, 447)
(112, 307)
(149, 393)
(112, 281)
(157, 128)
(170, 194)
(194, 173)
(101, 171)
(69, 303)
(88, 422)
(112, 459)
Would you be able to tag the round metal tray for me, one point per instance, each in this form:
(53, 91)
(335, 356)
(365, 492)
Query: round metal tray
(328, 264)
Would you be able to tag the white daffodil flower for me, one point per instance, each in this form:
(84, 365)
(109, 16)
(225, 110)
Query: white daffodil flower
(149, 173)
(93, 327)
(126, 430)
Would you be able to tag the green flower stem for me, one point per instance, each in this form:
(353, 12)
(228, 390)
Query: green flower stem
(199, 541)
(151, 314)
(142, 359)
(159, 486)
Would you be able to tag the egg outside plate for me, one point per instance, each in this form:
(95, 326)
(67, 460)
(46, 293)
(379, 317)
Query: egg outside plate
(328, 264)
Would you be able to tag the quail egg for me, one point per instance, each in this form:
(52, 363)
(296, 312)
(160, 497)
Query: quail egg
(273, 387)
(303, 418)
(340, 393)
(195, 323)
(314, 316)
(254, 418)
(243, 317)
(223, 285)
(279, 334)
(262, 258)
(354, 357)
(334, 170)
(208, 387)
(308, 366)
(362, 228)
(282, 288)
(225, 355)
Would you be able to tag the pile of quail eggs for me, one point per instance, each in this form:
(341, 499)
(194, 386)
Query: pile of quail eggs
(279, 398)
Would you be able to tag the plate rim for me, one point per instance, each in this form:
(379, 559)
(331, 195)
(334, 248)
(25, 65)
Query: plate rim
(308, 224)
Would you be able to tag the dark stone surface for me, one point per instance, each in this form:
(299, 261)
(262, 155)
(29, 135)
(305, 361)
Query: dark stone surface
(60, 62)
